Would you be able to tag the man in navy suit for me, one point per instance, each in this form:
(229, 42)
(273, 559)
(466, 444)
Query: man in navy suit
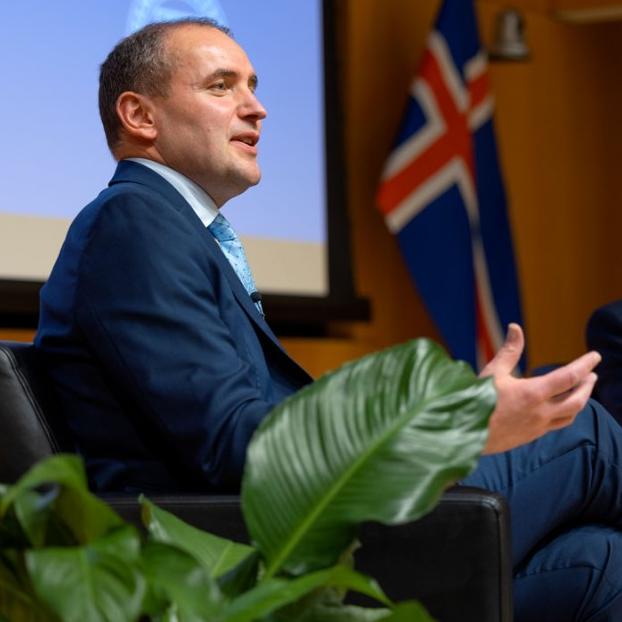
(164, 365)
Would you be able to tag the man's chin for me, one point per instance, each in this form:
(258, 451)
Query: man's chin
(242, 184)
(253, 177)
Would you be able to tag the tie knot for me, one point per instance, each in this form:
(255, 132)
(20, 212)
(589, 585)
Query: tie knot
(221, 229)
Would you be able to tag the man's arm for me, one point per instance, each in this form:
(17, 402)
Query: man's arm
(153, 307)
(528, 408)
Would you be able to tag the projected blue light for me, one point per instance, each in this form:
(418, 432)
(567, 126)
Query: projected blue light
(143, 12)
(54, 158)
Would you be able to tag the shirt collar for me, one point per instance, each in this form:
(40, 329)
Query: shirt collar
(201, 203)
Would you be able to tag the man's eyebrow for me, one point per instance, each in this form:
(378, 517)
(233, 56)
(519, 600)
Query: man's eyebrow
(253, 80)
(222, 73)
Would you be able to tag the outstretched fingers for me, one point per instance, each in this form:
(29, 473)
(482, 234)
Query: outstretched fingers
(565, 407)
(567, 378)
(528, 408)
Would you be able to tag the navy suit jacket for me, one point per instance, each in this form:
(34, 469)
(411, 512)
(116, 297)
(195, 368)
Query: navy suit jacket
(604, 333)
(161, 362)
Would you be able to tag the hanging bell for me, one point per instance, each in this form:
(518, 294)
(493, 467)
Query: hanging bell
(509, 37)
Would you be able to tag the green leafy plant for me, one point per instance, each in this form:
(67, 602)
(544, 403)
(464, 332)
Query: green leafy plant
(379, 439)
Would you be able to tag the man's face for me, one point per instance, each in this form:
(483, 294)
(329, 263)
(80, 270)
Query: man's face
(209, 123)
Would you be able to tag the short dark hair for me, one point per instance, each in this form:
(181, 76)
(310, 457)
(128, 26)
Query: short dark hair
(140, 63)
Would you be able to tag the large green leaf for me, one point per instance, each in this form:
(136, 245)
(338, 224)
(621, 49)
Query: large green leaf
(219, 555)
(276, 593)
(86, 516)
(99, 582)
(65, 469)
(12, 534)
(379, 439)
(180, 584)
(240, 578)
(16, 603)
(34, 511)
(31, 521)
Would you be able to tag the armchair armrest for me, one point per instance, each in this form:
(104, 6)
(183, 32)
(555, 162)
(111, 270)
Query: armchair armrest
(218, 514)
(456, 559)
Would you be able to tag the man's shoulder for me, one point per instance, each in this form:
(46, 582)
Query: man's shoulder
(123, 194)
(127, 218)
(133, 183)
(122, 204)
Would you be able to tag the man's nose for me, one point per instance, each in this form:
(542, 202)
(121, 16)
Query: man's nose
(252, 107)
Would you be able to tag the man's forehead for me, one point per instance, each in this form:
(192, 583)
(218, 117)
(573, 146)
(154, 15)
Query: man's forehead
(191, 40)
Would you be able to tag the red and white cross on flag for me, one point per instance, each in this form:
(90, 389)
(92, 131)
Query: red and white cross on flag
(444, 146)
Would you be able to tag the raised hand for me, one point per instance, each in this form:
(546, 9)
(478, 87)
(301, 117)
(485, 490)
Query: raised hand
(528, 408)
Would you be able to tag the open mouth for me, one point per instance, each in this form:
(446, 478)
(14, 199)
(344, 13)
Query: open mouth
(248, 139)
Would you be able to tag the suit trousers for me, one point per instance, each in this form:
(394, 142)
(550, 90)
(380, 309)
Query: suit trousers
(565, 495)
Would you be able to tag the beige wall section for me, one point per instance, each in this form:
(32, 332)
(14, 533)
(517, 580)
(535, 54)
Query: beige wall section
(560, 139)
(29, 245)
(268, 257)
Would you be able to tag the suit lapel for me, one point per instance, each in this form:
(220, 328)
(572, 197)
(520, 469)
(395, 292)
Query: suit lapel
(136, 173)
(244, 299)
(240, 293)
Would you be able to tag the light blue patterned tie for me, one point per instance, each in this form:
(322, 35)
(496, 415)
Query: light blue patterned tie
(234, 251)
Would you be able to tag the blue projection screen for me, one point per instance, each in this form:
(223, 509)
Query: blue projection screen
(55, 159)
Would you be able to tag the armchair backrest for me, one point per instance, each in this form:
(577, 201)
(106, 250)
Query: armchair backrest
(26, 411)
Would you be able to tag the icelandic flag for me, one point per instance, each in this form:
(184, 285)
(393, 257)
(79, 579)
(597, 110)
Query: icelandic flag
(442, 194)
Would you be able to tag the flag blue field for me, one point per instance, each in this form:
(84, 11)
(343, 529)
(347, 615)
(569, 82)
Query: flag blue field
(442, 193)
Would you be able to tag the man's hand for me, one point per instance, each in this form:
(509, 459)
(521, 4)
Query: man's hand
(528, 408)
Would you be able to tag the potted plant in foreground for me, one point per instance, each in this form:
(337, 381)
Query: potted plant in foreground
(379, 439)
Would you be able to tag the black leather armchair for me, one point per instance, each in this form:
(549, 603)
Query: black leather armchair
(456, 560)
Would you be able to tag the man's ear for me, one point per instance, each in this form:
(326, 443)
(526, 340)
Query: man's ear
(135, 112)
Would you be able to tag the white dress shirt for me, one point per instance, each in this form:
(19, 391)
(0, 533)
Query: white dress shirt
(201, 202)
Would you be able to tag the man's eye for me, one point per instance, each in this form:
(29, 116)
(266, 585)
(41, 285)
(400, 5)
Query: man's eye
(219, 86)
